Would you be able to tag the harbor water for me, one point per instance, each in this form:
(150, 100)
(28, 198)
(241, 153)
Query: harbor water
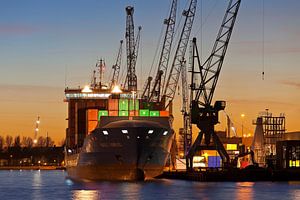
(36, 184)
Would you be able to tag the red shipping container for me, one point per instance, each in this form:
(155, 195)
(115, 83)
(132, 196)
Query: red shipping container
(113, 113)
(92, 114)
(131, 113)
(113, 104)
(164, 113)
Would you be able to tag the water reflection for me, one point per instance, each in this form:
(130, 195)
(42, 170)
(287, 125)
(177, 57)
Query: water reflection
(85, 194)
(244, 190)
(37, 185)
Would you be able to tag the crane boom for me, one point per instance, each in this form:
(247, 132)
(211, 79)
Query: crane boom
(130, 49)
(164, 55)
(172, 81)
(203, 113)
(117, 65)
(187, 126)
(210, 70)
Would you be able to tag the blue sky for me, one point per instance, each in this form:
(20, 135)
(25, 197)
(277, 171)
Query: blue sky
(45, 43)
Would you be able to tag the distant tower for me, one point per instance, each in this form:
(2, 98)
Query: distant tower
(36, 130)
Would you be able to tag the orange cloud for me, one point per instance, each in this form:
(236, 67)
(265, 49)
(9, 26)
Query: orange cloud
(291, 83)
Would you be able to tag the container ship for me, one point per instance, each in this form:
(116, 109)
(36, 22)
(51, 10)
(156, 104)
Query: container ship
(113, 132)
(115, 136)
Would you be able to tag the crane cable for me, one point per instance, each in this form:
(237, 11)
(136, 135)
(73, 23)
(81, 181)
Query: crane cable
(263, 40)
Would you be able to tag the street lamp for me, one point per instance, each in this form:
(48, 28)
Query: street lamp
(243, 115)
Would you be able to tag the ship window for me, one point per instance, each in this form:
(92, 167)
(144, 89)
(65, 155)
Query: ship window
(150, 131)
(105, 132)
(165, 133)
(125, 131)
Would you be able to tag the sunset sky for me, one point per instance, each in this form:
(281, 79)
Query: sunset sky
(47, 45)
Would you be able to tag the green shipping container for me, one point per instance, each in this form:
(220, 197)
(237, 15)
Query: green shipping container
(123, 113)
(102, 113)
(123, 104)
(144, 112)
(154, 113)
(136, 104)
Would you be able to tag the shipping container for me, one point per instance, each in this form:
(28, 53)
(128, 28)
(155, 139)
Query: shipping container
(92, 114)
(113, 104)
(214, 161)
(134, 113)
(164, 113)
(144, 112)
(123, 104)
(113, 113)
(154, 113)
(134, 104)
(232, 147)
(91, 126)
(123, 113)
(102, 113)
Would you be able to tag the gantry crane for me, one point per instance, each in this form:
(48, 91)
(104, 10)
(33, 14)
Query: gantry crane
(116, 67)
(173, 78)
(153, 95)
(203, 113)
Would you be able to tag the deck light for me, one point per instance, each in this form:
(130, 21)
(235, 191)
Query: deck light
(86, 89)
(116, 89)
(105, 132)
(165, 133)
(125, 131)
(150, 131)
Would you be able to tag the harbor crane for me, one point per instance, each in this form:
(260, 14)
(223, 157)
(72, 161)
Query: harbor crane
(163, 90)
(202, 112)
(153, 95)
(132, 46)
(175, 70)
(187, 126)
(116, 67)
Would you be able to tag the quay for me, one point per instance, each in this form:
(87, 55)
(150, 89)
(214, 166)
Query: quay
(235, 175)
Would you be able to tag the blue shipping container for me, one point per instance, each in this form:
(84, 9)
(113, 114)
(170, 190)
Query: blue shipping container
(214, 161)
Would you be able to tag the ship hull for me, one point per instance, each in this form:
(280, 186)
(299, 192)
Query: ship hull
(125, 150)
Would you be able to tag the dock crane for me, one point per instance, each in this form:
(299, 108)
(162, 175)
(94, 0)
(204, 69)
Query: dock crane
(203, 113)
(174, 73)
(187, 126)
(153, 95)
(116, 66)
(132, 46)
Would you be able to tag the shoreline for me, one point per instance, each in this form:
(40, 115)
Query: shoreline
(32, 168)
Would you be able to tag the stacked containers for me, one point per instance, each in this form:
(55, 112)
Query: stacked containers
(113, 107)
(92, 119)
(134, 107)
(102, 113)
(154, 113)
(164, 113)
(144, 112)
(123, 107)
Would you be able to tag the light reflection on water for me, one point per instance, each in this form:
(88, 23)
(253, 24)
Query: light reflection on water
(244, 190)
(54, 185)
(85, 194)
